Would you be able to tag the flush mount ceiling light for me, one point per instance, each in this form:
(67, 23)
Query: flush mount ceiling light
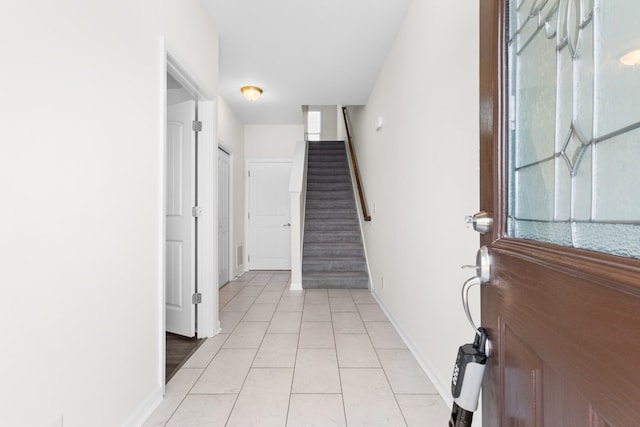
(631, 58)
(251, 92)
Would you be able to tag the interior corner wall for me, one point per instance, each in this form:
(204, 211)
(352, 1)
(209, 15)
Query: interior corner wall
(329, 123)
(421, 172)
(271, 141)
(231, 135)
(81, 178)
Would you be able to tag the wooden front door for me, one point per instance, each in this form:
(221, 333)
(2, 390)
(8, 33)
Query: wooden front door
(560, 150)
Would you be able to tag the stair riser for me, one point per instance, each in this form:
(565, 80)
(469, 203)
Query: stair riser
(332, 156)
(329, 228)
(328, 162)
(332, 213)
(334, 266)
(328, 179)
(328, 186)
(334, 220)
(313, 218)
(337, 160)
(327, 149)
(330, 195)
(335, 283)
(330, 203)
(310, 251)
(328, 172)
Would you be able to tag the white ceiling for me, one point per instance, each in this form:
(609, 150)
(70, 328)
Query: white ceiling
(301, 52)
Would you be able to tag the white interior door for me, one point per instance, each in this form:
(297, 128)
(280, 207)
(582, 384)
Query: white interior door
(180, 224)
(269, 216)
(223, 216)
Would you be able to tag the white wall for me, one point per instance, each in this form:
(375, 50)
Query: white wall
(81, 219)
(231, 135)
(271, 141)
(329, 123)
(421, 171)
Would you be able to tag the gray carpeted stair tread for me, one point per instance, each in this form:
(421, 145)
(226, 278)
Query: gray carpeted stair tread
(330, 195)
(327, 204)
(328, 178)
(316, 236)
(333, 220)
(337, 162)
(334, 264)
(329, 227)
(328, 186)
(329, 172)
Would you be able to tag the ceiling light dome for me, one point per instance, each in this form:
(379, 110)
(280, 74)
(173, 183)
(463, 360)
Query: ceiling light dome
(251, 93)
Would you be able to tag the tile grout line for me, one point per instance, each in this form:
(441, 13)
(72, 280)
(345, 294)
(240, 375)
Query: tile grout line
(295, 362)
(384, 371)
(203, 371)
(248, 371)
(344, 405)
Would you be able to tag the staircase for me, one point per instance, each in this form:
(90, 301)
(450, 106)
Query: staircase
(333, 254)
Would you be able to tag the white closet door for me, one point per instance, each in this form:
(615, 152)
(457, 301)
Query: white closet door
(269, 216)
(180, 224)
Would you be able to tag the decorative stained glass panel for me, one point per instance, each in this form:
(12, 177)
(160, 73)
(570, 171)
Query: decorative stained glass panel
(574, 123)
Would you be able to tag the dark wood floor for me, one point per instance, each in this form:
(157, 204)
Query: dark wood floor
(179, 349)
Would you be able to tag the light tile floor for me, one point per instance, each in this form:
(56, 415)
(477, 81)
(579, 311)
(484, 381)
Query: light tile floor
(300, 359)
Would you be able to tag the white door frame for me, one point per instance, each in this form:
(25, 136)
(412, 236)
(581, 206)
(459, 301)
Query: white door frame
(247, 206)
(207, 231)
(229, 151)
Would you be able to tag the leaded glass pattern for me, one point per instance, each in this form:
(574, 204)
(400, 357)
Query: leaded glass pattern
(574, 124)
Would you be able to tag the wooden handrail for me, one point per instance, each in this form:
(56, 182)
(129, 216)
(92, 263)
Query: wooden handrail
(356, 172)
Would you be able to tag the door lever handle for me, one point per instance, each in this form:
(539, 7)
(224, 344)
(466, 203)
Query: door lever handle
(472, 281)
(287, 224)
(483, 275)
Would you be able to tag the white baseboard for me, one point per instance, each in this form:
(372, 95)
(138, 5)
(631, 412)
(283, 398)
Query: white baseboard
(239, 272)
(444, 390)
(144, 411)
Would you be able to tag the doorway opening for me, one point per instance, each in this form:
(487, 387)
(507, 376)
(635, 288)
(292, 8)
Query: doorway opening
(224, 216)
(180, 226)
(190, 299)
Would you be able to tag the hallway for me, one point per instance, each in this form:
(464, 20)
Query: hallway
(300, 358)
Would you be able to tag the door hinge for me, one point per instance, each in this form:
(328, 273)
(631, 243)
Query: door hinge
(196, 298)
(249, 174)
(196, 126)
(249, 215)
(196, 211)
(249, 258)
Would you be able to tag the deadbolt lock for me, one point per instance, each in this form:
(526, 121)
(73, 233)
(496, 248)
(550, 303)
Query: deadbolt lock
(482, 222)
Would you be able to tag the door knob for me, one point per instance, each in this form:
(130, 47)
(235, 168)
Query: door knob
(482, 222)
